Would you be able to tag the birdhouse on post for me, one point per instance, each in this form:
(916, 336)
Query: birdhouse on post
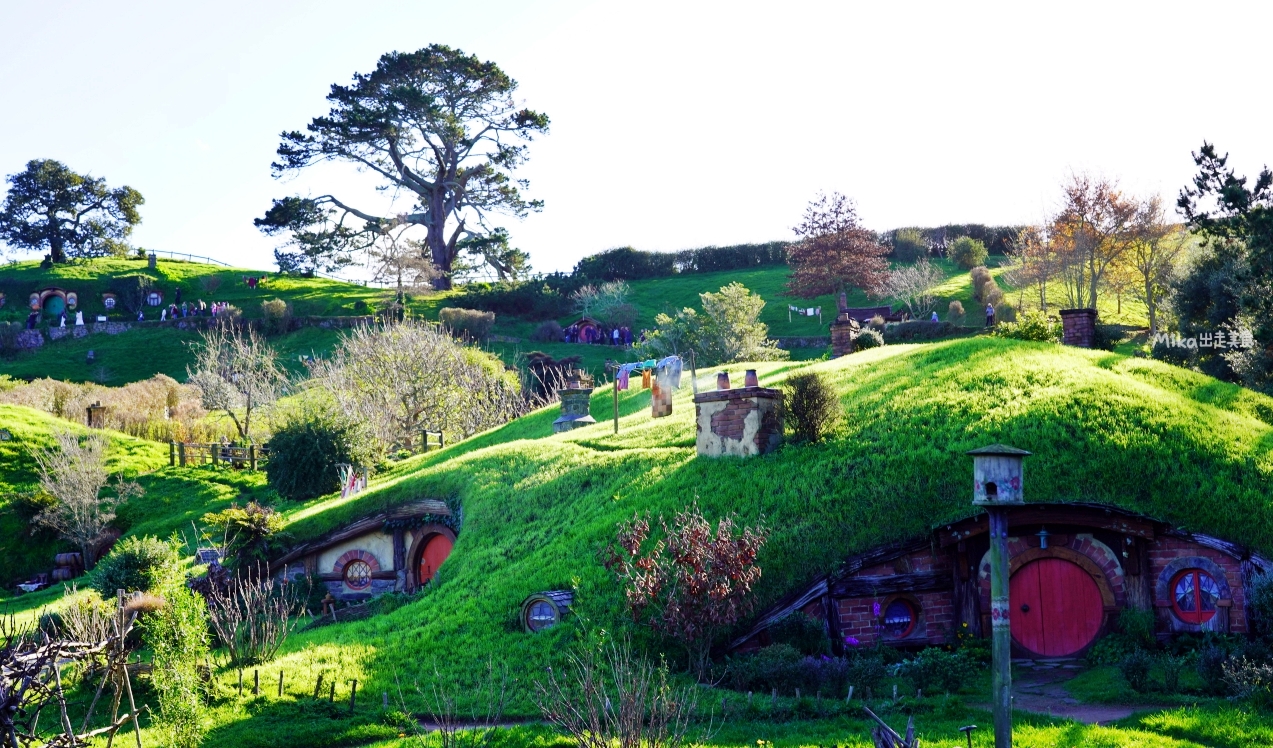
(996, 485)
(996, 475)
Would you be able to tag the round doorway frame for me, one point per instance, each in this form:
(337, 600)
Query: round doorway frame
(420, 538)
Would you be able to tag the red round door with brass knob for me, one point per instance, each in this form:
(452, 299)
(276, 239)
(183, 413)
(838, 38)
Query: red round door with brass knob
(1056, 607)
(436, 549)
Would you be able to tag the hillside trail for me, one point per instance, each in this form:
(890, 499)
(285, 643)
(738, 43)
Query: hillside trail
(1039, 686)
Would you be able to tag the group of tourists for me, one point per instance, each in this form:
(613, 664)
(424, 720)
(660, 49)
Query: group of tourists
(590, 334)
(254, 281)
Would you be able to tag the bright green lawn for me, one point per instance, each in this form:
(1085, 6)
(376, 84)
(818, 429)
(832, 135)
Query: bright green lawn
(538, 509)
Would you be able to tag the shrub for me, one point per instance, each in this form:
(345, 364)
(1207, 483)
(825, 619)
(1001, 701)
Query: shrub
(918, 329)
(276, 317)
(1252, 680)
(1260, 604)
(909, 245)
(467, 323)
(1106, 337)
(248, 533)
(1171, 668)
(866, 670)
(527, 300)
(992, 294)
(1110, 649)
(1138, 625)
(1034, 325)
(804, 632)
(1211, 667)
(776, 666)
(1005, 312)
(135, 564)
(307, 451)
(936, 668)
(229, 313)
(968, 253)
(868, 338)
(812, 407)
(549, 331)
(1135, 668)
(979, 276)
(177, 636)
(955, 313)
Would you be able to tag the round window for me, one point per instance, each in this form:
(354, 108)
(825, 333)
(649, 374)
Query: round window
(899, 619)
(1194, 596)
(357, 575)
(541, 615)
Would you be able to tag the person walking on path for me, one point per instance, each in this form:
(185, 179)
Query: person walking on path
(934, 317)
(990, 315)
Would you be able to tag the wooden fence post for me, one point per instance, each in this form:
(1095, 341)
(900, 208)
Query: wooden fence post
(172, 453)
(318, 686)
(212, 449)
(256, 682)
(280, 683)
(181, 453)
(252, 456)
(353, 692)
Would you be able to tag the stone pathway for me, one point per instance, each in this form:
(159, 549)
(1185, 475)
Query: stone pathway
(1039, 686)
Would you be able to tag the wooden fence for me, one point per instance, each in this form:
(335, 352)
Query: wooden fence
(190, 453)
(440, 443)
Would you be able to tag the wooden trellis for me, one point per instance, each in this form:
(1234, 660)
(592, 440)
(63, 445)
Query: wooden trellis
(31, 682)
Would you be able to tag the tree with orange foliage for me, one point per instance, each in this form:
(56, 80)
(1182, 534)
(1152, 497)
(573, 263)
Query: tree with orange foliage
(1095, 226)
(694, 583)
(834, 251)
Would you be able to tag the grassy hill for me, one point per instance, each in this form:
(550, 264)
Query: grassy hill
(539, 508)
(166, 351)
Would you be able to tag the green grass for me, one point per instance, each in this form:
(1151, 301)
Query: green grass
(173, 498)
(142, 353)
(539, 508)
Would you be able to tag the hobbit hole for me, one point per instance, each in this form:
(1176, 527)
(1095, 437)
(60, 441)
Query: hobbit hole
(1066, 580)
(398, 550)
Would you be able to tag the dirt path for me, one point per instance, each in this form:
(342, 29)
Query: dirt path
(1040, 688)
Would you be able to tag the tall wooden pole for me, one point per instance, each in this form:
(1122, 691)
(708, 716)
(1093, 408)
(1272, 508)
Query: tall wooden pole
(1001, 641)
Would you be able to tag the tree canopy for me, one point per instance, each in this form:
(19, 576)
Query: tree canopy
(435, 124)
(1229, 289)
(834, 251)
(50, 208)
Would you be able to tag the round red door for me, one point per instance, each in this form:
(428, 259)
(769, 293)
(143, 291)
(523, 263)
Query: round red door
(1056, 607)
(435, 552)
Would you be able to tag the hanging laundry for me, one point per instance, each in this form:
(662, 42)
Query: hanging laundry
(645, 379)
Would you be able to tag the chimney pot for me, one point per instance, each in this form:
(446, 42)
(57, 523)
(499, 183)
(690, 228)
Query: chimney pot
(722, 380)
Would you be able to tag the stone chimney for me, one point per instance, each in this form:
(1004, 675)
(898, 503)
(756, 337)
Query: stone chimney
(844, 330)
(575, 397)
(743, 422)
(1078, 327)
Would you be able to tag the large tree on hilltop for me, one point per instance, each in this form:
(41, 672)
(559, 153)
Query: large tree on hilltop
(436, 124)
(834, 251)
(50, 208)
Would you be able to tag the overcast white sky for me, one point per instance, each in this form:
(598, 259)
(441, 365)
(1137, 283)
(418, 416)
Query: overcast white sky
(674, 125)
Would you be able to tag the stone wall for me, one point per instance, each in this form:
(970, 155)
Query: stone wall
(860, 617)
(743, 422)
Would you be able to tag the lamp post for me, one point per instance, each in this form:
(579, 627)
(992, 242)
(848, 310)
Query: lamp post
(997, 471)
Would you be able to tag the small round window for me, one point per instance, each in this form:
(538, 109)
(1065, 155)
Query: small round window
(899, 619)
(357, 575)
(541, 615)
(1194, 596)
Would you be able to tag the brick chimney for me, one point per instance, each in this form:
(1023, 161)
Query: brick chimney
(844, 330)
(1078, 327)
(742, 422)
